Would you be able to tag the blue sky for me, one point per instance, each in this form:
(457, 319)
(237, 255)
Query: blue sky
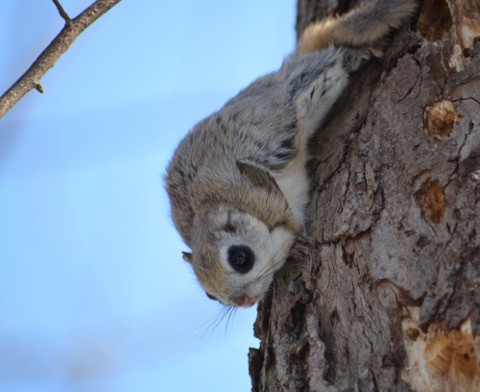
(94, 295)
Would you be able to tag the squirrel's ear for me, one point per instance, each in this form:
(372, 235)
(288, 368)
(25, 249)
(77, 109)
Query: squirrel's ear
(258, 174)
(187, 257)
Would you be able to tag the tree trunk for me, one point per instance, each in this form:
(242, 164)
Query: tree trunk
(390, 298)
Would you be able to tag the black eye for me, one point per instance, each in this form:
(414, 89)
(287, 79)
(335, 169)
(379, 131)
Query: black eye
(241, 258)
(211, 297)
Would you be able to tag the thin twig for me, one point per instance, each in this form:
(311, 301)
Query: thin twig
(62, 12)
(47, 59)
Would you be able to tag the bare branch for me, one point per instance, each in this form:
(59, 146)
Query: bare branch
(62, 12)
(31, 78)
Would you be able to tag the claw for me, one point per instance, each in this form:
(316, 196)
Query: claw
(301, 248)
(356, 58)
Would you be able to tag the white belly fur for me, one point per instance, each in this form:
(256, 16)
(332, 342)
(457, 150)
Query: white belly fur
(312, 105)
(293, 183)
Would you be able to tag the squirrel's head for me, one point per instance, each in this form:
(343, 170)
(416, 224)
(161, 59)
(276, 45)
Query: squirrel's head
(235, 255)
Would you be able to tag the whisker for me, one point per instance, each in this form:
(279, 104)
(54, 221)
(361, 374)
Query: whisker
(281, 248)
(220, 320)
(267, 264)
(231, 312)
(209, 326)
(263, 273)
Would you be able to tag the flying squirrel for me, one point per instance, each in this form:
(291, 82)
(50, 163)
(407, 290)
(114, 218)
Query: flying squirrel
(238, 182)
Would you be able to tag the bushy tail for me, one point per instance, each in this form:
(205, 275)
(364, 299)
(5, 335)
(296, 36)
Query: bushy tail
(364, 25)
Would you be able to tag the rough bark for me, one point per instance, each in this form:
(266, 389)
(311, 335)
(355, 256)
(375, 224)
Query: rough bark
(390, 298)
(73, 28)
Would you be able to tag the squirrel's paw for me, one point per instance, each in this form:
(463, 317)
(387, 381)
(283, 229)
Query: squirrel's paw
(301, 248)
(355, 58)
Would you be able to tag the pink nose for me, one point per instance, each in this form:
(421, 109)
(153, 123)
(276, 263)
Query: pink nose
(245, 301)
